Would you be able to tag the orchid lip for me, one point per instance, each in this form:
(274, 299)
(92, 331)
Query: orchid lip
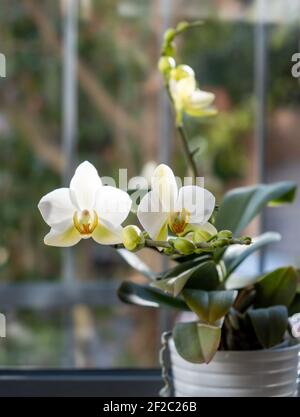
(86, 222)
(179, 220)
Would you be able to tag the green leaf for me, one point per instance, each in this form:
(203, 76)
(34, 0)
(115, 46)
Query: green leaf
(146, 296)
(209, 306)
(236, 254)
(236, 282)
(136, 263)
(276, 288)
(241, 205)
(294, 308)
(206, 277)
(269, 324)
(196, 342)
(202, 276)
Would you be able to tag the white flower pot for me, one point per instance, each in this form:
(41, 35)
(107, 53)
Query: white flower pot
(259, 373)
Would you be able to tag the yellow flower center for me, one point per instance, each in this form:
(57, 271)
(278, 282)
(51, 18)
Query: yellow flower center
(85, 222)
(179, 220)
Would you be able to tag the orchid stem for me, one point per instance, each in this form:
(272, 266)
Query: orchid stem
(188, 153)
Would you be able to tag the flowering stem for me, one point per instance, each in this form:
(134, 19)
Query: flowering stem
(184, 140)
(188, 153)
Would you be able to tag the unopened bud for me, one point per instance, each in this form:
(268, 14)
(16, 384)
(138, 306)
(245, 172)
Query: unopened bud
(184, 246)
(227, 234)
(169, 35)
(166, 64)
(201, 235)
(221, 243)
(246, 240)
(133, 238)
(182, 26)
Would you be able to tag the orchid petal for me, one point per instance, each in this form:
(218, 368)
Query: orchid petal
(107, 234)
(84, 186)
(199, 202)
(62, 239)
(56, 208)
(112, 205)
(200, 99)
(164, 184)
(207, 227)
(152, 216)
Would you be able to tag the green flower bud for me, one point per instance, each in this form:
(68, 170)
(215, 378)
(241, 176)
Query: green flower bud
(168, 49)
(201, 236)
(133, 238)
(184, 246)
(221, 243)
(182, 26)
(169, 35)
(227, 234)
(246, 240)
(166, 64)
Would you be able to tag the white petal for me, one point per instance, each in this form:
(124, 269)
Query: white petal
(112, 205)
(152, 217)
(198, 201)
(84, 185)
(107, 234)
(208, 227)
(201, 99)
(186, 86)
(62, 239)
(56, 208)
(164, 184)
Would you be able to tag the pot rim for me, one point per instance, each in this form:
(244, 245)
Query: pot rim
(292, 345)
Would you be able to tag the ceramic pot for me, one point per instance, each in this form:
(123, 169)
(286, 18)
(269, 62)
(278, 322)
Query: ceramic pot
(259, 373)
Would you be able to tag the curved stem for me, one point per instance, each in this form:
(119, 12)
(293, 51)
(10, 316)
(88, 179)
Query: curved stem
(188, 153)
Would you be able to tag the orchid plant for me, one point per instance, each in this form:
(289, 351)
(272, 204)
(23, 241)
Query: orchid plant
(185, 223)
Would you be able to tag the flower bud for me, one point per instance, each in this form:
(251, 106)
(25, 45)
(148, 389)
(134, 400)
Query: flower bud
(201, 235)
(226, 234)
(166, 64)
(169, 35)
(221, 243)
(246, 240)
(133, 238)
(182, 26)
(184, 246)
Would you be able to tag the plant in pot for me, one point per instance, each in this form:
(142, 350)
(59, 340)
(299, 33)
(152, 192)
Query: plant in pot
(236, 338)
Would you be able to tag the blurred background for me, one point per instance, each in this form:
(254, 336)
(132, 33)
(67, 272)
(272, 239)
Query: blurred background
(61, 305)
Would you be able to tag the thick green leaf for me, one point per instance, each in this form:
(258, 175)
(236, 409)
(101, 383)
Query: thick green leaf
(210, 306)
(236, 254)
(276, 288)
(136, 263)
(196, 342)
(294, 308)
(236, 281)
(205, 278)
(146, 296)
(241, 205)
(269, 324)
(202, 276)
(184, 266)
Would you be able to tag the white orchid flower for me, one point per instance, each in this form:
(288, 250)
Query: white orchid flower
(86, 209)
(187, 97)
(167, 207)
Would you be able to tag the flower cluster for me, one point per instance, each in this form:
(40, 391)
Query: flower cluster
(89, 209)
(181, 83)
